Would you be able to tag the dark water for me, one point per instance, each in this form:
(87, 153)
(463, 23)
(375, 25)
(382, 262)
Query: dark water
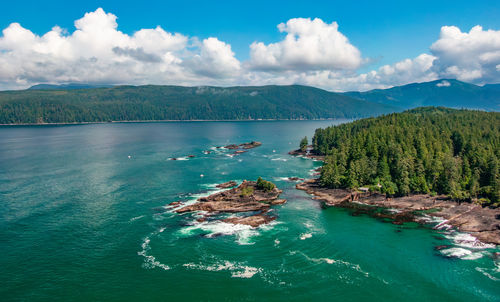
(82, 221)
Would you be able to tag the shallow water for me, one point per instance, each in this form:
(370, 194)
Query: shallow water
(84, 216)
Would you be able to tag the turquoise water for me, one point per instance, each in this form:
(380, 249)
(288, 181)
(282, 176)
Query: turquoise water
(82, 221)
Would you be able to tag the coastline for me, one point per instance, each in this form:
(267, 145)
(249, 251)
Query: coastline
(470, 218)
(481, 222)
(173, 121)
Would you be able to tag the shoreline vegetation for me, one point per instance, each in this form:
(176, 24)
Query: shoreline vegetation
(481, 222)
(434, 161)
(178, 103)
(171, 121)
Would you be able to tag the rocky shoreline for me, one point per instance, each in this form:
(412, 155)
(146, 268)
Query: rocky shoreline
(249, 199)
(308, 153)
(482, 223)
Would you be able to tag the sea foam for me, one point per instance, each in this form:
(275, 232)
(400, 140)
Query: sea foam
(237, 270)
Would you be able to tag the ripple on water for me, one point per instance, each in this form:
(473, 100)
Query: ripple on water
(149, 260)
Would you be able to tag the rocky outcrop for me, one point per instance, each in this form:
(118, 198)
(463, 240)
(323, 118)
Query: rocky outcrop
(309, 153)
(293, 178)
(226, 185)
(246, 198)
(224, 206)
(232, 146)
(481, 222)
(253, 221)
(249, 145)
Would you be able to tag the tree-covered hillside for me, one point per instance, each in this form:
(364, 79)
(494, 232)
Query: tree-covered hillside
(447, 93)
(425, 150)
(129, 103)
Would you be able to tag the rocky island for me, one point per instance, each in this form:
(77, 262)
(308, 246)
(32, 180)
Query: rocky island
(252, 199)
(249, 145)
(241, 148)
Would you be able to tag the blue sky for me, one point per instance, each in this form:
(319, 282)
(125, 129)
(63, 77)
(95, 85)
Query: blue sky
(385, 32)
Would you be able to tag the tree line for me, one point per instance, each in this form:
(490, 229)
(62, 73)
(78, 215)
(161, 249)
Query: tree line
(132, 103)
(424, 150)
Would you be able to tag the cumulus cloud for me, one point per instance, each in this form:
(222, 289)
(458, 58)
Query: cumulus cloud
(216, 59)
(312, 52)
(97, 52)
(308, 45)
(472, 56)
(400, 73)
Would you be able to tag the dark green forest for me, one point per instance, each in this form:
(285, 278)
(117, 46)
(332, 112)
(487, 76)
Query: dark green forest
(135, 103)
(424, 150)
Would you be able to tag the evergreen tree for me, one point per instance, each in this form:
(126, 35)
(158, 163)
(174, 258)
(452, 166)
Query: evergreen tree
(446, 151)
(303, 144)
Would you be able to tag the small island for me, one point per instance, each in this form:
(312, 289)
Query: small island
(249, 145)
(241, 148)
(253, 198)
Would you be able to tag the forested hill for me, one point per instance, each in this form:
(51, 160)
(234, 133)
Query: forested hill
(447, 93)
(132, 103)
(424, 150)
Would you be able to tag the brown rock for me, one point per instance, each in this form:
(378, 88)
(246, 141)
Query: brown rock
(226, 185)
(253, 221)
(481, 222)
(244, 198)
(278, 201)
(441, 247)
(309, 154)
(250, 145)
(224, 206)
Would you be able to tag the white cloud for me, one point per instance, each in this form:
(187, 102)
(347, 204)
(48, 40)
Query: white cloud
(312, 53)
(308, 45)
(216, 59)
(97, 52)
(400, 73)
(471, 56)
(443, 84)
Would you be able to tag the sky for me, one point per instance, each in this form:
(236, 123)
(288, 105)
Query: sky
(334, 45)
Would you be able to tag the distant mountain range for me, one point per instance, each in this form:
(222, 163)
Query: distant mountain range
(75, 103)
(447, 93)
(68, 86)
(142, 103)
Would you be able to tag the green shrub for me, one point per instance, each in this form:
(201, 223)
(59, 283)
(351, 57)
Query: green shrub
(265, 185)
(247, 191)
